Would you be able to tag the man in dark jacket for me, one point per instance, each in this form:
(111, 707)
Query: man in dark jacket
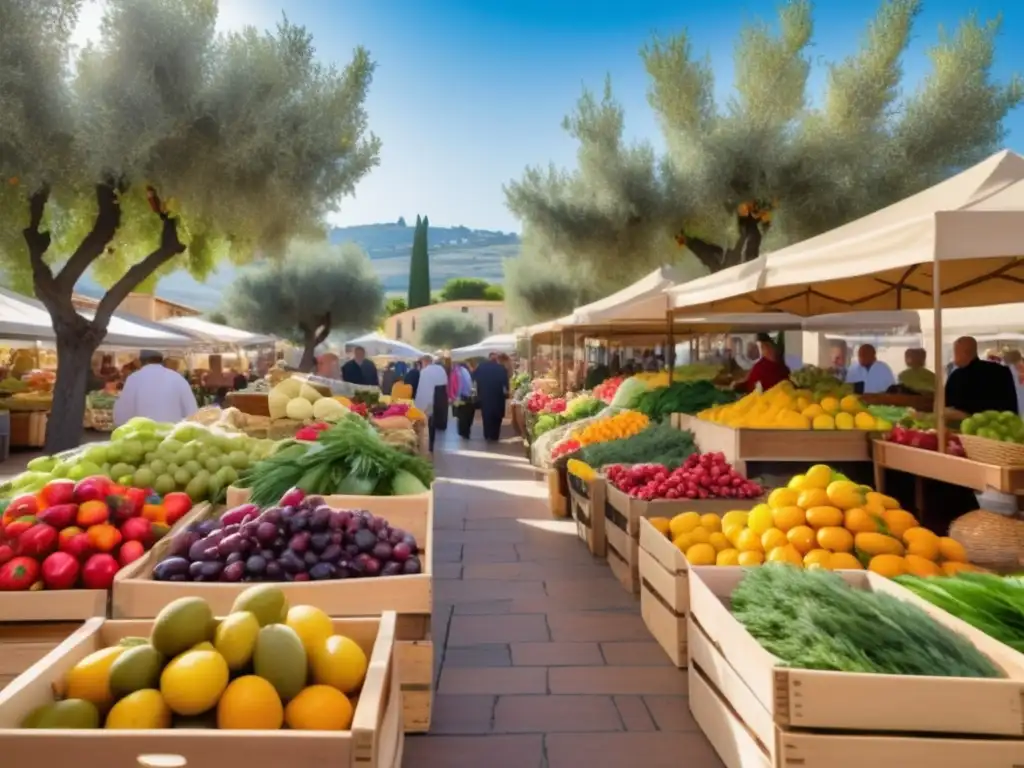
(978, 385)
(491, 391)
(359, 370)
(412, 378)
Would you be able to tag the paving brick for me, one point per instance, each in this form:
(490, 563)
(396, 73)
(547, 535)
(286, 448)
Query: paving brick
(474, 751)
(493, 680)
(477, 554)
(489, 655)
(462, 714)
(638, 654)
(493, 524)
(671, 713)
(514, 536)
(462, 591)
(533, 571)
(489, 608)
(447, 552)
(555, 654)
(634, 714)
(587, 588)
(596, 626)
(551, 714)
(447, 570)
(473, 630)
(616, 680)
(617, 750)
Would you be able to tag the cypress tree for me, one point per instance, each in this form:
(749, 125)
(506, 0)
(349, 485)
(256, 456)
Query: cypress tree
(419, 266)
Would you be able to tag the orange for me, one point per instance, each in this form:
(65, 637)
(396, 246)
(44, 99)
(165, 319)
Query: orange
(835, 539)
(749, 541)
(772, 538)
(820, 557)
(683, 542)
(785, 554)
(711, 521)
(719, 541)
(844, 561)
(700, 535)
(732, 533)
(701, 554)
(728, 557)
(822, 516)
(250, 703)
(319, 708)
(751, 558)
(859, 521)
(888, 565)
(951, 549)
(953, 567)
(802, 538)
(789, 517)
(920, 566)
(661, 524)
(899, 521)
(924, 546)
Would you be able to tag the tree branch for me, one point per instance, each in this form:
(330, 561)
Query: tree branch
(325, 330)
(711, 256)
(170, 246)
(108, 219)
(38, 241)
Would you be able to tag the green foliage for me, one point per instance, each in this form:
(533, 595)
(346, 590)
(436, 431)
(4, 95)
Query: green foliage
(217, 317)
(395, 305)
(246, 138)
(768, 169)
(449, 330)
(317, 288)
(419, 266)
(471, 289)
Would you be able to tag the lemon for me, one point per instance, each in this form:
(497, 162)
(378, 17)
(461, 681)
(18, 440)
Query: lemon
(829, 405)
(235, 638)
(760, 519)
(728, 557)
(700, 535)
(851, 404)
(250, 703)
(772, 538)
(866, 421)
(661, 525)
(812, 497)
(823, 422)
(683, 542)
(89, 679)
(193, 681)
(719, 541)
(143, 709)
(683, 523)
(319, 708)
(812, 411)
(711, 521)
(749, 541)
(701, 554)
(750, 558)
(732, 533)
(311, 624)
(339, 662)
(736, 517)
(844, 421)
(781, 497)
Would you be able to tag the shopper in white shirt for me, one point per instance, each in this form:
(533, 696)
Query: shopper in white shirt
(869, 375)
(432, 376)
(155, 392)
(1012, 359)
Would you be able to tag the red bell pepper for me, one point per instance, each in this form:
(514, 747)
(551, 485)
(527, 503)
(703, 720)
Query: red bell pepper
(14, 529)
(60, 571)
(19, 507)
(138, 529)
(60, 516)
(38, 541)
(177, 505)
(57, 492)
(77, 545)
(19, 574)
(6, 553)
(98, 571)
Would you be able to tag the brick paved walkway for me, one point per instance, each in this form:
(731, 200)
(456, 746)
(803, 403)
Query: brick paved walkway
(542, 658)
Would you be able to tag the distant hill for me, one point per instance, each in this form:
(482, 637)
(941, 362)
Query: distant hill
(454, 252)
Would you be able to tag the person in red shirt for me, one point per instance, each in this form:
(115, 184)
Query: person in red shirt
(769, 370)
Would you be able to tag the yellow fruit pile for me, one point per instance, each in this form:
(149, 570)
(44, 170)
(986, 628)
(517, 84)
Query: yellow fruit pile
(818, 522)
(617, 427)
(785, 407)
(279, 667)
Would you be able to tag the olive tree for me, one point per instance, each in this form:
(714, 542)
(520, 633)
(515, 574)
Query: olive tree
(316, 289)
(450, 330)
(774, 166)
(162, 146)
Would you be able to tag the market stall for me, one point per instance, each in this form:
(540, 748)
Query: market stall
(503, 343)
(377, 344)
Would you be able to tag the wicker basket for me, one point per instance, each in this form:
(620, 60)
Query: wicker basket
(992, 540)
(996, 452)
(100, 419)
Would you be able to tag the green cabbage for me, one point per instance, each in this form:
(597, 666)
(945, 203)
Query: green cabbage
(406, 484)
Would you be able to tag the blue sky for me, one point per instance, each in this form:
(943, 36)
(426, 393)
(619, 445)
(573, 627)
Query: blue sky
(468, 92)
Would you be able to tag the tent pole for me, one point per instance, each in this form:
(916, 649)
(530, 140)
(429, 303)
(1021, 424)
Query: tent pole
(939, 405)
(561, 361)
(670, 353)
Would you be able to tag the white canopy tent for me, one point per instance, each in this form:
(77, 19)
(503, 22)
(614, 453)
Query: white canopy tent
(26, 320)
(378, 345)
(499, 344)
(644, 300)
(214, 334)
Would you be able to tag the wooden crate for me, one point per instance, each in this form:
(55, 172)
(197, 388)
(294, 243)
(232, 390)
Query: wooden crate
(738, 745)
(664, 591)
(385, 506)
(136, 595)
(28, 429)
(941, 466)
(22, 644)
(766, 695)
(558, 499)
(374, 741)
(586, 507)
(742, 445)
(622, 526)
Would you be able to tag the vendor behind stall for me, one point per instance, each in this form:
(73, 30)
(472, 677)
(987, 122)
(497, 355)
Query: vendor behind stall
(916, 377)
(768, 371)
(155, 392)
(977, 385)
(869, 375)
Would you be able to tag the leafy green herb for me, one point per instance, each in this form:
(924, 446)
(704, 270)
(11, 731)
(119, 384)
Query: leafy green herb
(814, 620)
(681, 397)
(658, 444)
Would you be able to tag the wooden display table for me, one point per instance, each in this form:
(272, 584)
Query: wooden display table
(741, 446)
(933, 465)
